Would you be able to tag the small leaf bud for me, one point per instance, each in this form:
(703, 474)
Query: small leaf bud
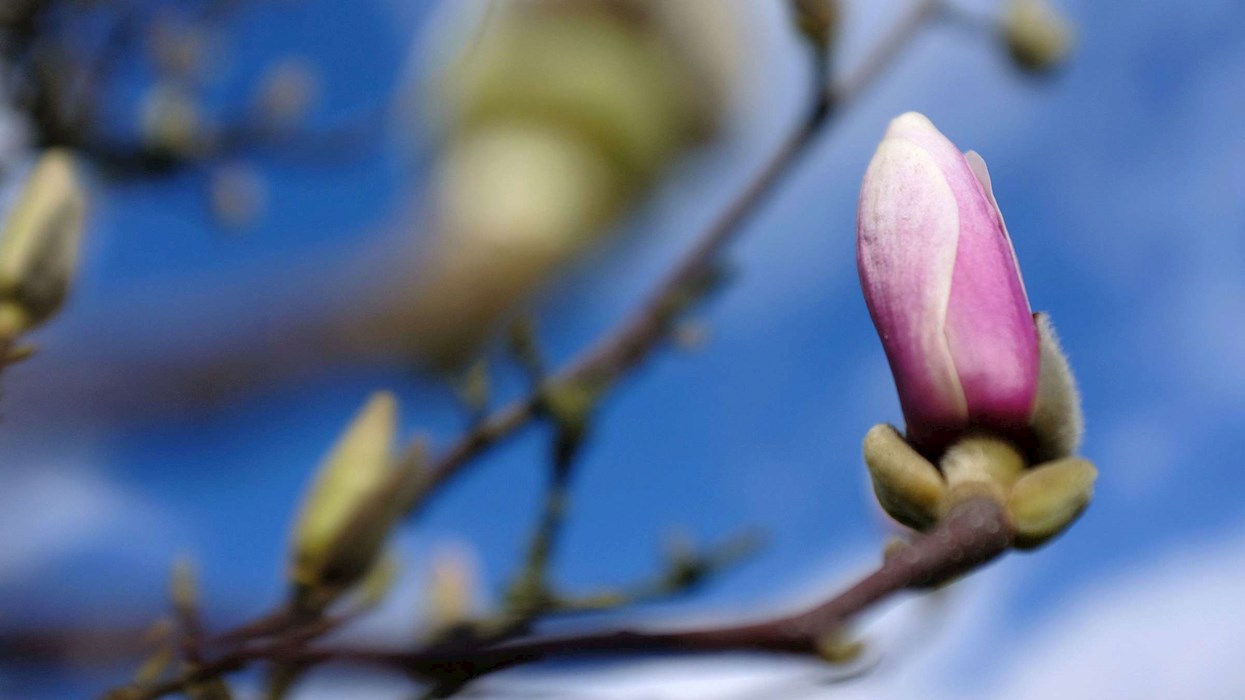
(1037, 38)
(1049, 498)
(907, 485)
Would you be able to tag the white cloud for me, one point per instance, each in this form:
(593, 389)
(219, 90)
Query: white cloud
(1172, 627)
(56, 511)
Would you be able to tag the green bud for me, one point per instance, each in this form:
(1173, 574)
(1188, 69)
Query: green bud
(40, 242)
(1037, 38)
(354, 470)
(836, 648)
(1048, 498)
(907, 485)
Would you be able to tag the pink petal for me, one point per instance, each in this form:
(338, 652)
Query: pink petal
(906, 235)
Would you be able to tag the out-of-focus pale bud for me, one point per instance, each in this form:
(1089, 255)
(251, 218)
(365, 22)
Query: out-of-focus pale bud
(942, 284)
(513, 202)
(183, 585)
(333, 543)
(40, 242)
(172, 122)
(287, 90)
(908, 486)
(450, 596)
(179, 49)
(1037, 38)
(558, 115)
(1049, 498)
(238, 194)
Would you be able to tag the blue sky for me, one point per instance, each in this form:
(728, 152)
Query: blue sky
(1121, 180)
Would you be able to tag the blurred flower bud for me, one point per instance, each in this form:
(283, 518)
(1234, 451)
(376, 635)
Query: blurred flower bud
(1037, 38)
(287, 90)
(450, 596)
(1049, 498)
(172, 123)
(179, 48)
(40, 242)
(558, 115)
(349, 510)
(183, 585)
(238, 194)
(944, 290)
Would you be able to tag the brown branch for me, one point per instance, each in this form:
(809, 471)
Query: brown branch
(973, 534)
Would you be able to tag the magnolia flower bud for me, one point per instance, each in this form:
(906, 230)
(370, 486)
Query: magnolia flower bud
(944, 290)
(355, 501)
(986, 391)
(41, 238)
